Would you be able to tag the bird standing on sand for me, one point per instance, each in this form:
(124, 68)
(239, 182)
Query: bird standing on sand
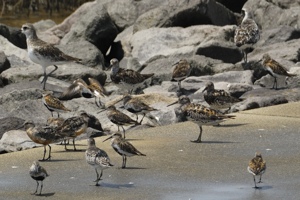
(43, 53)
(257, 166)
(247, 32)
(199, 114)
(136, 106)
(97, 158)
(123, 147)
(119, 118)
(38, 173)
(274, 69)
(126, 79)
(44, 135)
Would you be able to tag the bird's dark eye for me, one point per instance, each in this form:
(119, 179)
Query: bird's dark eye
(24, 28)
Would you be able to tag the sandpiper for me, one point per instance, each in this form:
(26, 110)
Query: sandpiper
(77, 89)
(218, 99)
(274, 69)
(181, 71)
(97, 158)
(43, 53)
(98, 90)
(123, 147)
(73, 127)
(44, 135)
(257, 166)
(119, 118)
(126, 79)
(198, 114)
(136, 106)
(56, 122)
(53, 104)
(38, 173)
(247, 32)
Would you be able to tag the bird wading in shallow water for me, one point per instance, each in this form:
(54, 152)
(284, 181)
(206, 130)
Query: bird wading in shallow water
(257, 166)
(123, 147)
(199, 114)
(43, 53)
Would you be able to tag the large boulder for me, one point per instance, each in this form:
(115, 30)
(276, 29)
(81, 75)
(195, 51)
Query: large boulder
(4, 63)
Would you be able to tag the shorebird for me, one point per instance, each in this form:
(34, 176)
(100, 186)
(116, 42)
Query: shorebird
(136, 106)
(199, 114)
(126, 79)
(79, 88)
(97, 158)
(247, 32)
(274, 69)
(73, 127)
(44, 135)
(43, 53)
(257, 166)
(53, 104)
(181, 71)
(38, 173)
(119, 118)
(123, 147)
(218, 99)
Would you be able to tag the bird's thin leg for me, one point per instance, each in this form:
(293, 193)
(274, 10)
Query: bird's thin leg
(51, 113)
(44, 153)
(137, 117)
(37, 185)
(142, 118)
(97, 179)
(123, 132)
(123, 163)
(49, 156)
(125, 158)
(57, 114)
(259, 179)
(254, 182)
(55, 68)
(41, 187)
(65, 145)
(74, 144)
(44, 79)
(199, 137)
(118, 128)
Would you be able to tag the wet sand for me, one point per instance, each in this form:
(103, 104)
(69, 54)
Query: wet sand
(175, 168)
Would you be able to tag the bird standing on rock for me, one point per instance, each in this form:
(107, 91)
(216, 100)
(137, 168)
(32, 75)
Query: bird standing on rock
(53, 104)
(43, 53)
(181, 71)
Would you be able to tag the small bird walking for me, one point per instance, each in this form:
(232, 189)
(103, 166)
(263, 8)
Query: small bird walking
(257, 166)
(136, 106)
(126, 79)
(44, 135)
(38, 173)
(181, 71)
(53, 104)
(199, 114)
(218, 99)
(119, 118)
(274, 69)
(43, 53)
(246, 33)
(97, 158)
(123, 147)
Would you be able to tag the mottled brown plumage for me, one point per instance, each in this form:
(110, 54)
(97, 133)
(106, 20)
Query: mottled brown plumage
(119, 118)
(199, 114)
(257, 166)
(53, 104)
(126, 79)
(123, 147)
(274, 68)
(181, 71)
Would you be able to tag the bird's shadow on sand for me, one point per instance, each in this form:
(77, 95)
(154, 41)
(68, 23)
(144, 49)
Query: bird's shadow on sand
(116, 186)
(215, 142)
(129, 168)
(45, 194)
(70, 150)
(58, 160)
(267, 187)
(228, 125)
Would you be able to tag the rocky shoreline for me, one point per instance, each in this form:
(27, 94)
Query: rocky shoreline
(149, 36)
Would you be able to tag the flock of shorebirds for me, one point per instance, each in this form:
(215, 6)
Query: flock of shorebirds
(60, 129)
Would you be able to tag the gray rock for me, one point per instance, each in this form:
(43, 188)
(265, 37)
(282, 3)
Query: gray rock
(10, 123)
(13, 35)
(4, 63)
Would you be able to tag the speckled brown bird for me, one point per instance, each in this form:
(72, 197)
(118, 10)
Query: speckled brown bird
(97, 158)
(38, 173)
(198, 113)
(123, 147)
(257, 166)
(274, 69)
(53, 104)
(98, 90)
(247, 32)
(119, 118)
(181, 71)
(218, 99)
(126, 79)
(136, 106)
(78, 88)
(44, 135)
(43, 53)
